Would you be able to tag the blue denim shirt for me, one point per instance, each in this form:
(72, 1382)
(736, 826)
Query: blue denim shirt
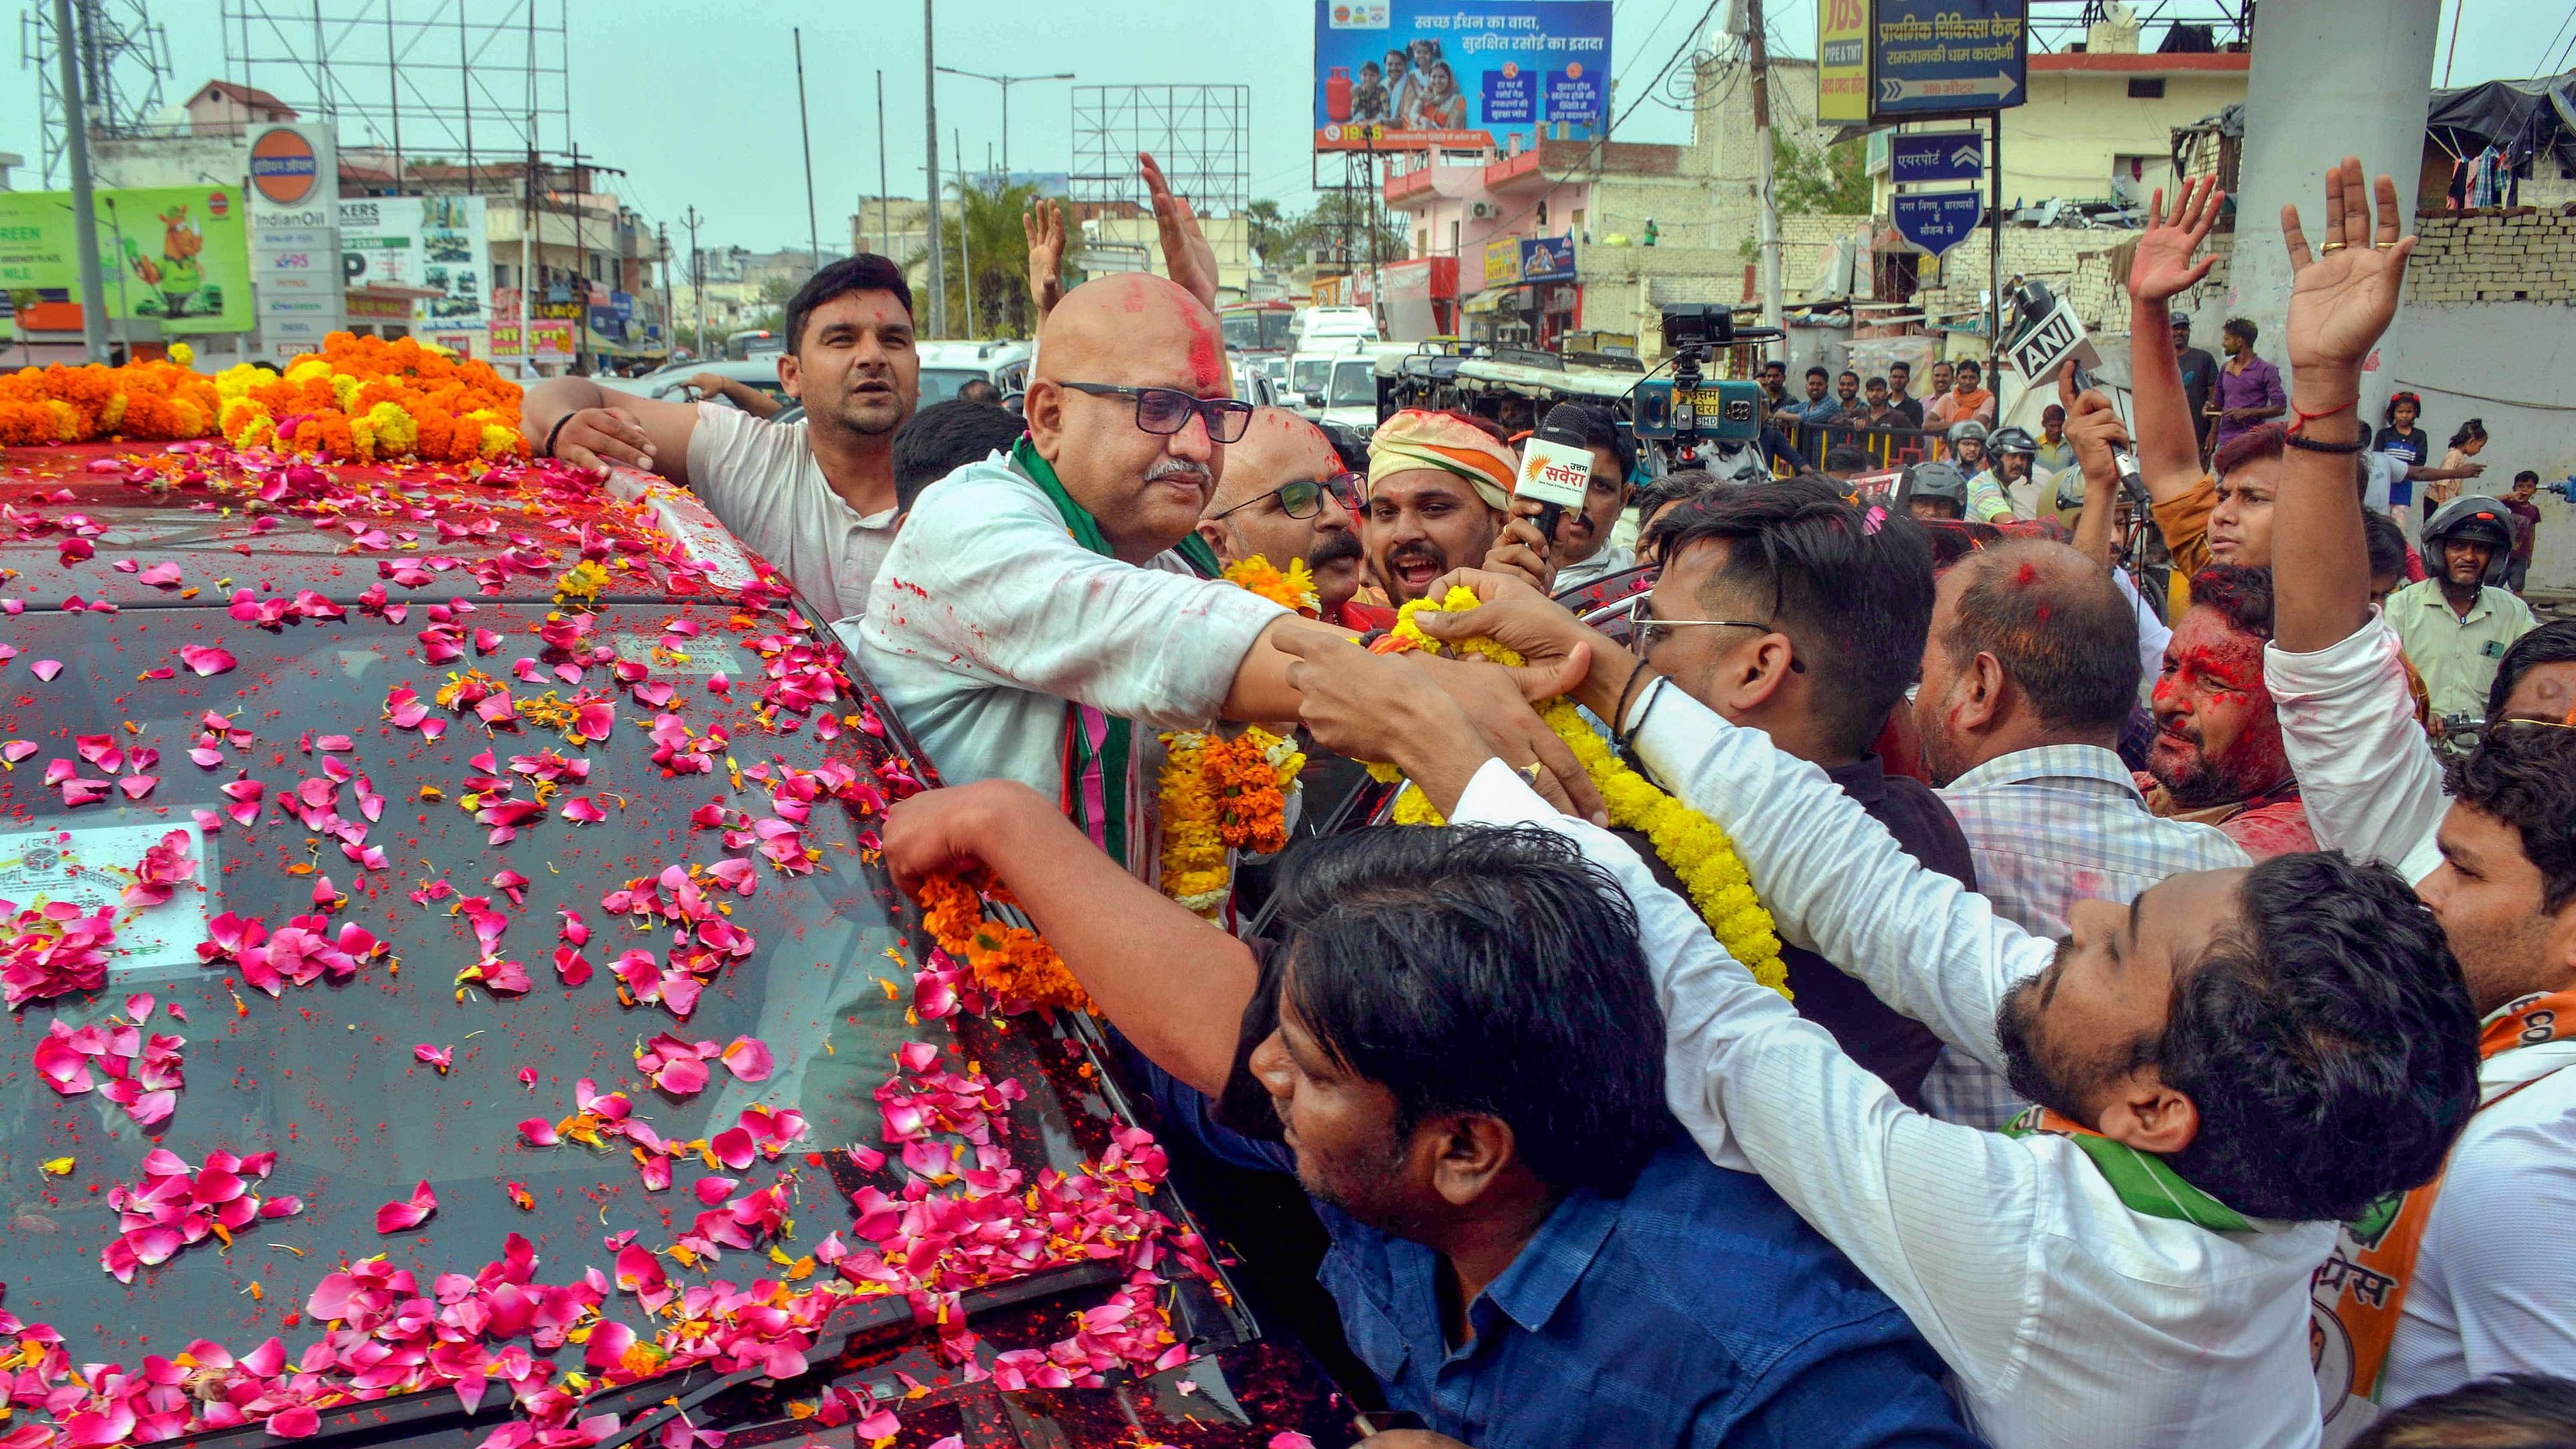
(1697, 1310)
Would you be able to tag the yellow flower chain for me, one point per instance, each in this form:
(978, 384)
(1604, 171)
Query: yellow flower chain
(1293, 590)
(1694, 846)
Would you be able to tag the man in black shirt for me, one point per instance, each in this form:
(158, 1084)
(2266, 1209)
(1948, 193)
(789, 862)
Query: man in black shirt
(1900, 381)
(1795, 613)
(2199, 375)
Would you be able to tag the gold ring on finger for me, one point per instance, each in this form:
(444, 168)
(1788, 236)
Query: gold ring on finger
(2384, 246)
(2330, 248)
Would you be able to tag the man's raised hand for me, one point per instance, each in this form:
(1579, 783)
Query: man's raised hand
(2162, 265)
(2344, 296)
(2093, 426)
(1186, 253)
(597, 439)
(1043, 224)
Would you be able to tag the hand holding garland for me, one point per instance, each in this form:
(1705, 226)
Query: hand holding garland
(1176, 987)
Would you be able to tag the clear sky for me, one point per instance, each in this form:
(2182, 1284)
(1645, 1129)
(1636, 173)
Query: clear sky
(698, 101)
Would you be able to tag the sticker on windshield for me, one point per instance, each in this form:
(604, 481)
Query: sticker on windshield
(700, 658)
(91, 865)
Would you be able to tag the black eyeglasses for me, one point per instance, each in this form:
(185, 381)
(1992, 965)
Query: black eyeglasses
(1164, 410)
(1304, 497)
(1646, 633)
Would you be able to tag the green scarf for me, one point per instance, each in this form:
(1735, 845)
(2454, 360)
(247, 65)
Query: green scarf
(2145, 1182)
(1097, 746)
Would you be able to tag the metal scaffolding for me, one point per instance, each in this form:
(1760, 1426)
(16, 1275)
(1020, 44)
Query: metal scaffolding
(1201, 135)
(471, 82)
(124, 57)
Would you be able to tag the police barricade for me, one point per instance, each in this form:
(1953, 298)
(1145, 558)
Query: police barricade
(1889, 448)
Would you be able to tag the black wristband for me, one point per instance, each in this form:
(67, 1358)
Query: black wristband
(2310, 445)
(1619, 711)
(557, 431)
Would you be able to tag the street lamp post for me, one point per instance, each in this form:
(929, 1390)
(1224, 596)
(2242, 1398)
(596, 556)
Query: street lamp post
(1006, 82)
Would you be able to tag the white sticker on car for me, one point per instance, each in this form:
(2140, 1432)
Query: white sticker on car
(91, 865)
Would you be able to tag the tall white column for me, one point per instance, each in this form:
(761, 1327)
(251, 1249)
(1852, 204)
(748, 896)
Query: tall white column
(2331, 78)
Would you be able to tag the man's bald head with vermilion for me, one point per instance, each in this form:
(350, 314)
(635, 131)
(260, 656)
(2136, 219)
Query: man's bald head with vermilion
(1130, 330)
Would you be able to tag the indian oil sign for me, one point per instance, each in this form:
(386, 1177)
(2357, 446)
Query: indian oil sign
(283, 166)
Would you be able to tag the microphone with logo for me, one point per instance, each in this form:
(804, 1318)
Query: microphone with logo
(1556, 467)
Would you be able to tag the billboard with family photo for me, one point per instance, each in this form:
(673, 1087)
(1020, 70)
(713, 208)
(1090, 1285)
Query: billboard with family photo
(1414, 74)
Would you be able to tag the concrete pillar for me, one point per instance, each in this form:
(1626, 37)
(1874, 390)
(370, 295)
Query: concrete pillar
(2331, 78)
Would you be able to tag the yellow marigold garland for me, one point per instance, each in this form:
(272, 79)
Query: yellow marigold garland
(1220, 795)
(1293, 590)
(361, 399)
(1694, 846)
(1005, 960)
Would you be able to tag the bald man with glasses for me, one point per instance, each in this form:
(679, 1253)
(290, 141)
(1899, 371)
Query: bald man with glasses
(1287, 496)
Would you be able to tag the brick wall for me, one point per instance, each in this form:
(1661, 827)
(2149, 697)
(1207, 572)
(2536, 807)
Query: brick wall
(2529, 257)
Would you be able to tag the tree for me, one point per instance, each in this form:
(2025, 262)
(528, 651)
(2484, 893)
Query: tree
(1339, 218)
(1270, 231)
(777, 288)
(981, 227)
(1820, 181)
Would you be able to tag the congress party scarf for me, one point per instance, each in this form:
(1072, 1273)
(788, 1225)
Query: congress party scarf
(2358, 1293)
(2144, 1182)
(1098, 747)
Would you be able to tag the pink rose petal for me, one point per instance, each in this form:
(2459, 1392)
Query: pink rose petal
(395, 1217)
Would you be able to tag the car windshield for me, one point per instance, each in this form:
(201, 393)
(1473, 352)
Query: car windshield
(1354, 385)
(475, 927)
(1309, 376)
(939, 384)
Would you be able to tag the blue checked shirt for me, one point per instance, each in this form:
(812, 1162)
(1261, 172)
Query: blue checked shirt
(1694, 1312)
(2049, 827)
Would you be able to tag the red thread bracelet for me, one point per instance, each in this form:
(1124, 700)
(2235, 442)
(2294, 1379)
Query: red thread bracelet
(2305, 418)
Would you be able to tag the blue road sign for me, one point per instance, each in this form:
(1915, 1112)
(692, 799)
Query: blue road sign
(1938, 220)
(1948, 57)
(1940, 156)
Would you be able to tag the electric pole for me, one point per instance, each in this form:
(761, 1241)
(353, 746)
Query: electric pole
(805, 128)
(69, 46)
(930, 145)
(1760, 66)
(885, 233)
(1006, 82)
(697, 280)
(965, 243)
(670, 319)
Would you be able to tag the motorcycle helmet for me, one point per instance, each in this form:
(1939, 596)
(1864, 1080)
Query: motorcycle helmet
(2010, 440)
(2473, 519)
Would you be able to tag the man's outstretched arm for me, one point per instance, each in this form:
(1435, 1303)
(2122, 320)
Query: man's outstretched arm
(2168, 440)
(602, 429)
(1175, 985)
(2372, 786)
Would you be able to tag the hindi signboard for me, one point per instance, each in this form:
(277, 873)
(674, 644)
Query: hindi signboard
(1937, 220)
(1419, 74)
(1936, 156)
(1932, 58)
(176, 254)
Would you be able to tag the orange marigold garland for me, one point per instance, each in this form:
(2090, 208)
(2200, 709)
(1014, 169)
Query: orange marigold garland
(1006, 961)
(1293, 590)
(150, 401)
(362, 399)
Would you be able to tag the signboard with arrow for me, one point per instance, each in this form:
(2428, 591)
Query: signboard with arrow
(1936, 156)
(1933, 58)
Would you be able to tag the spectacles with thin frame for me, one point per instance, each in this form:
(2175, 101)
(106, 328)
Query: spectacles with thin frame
(1164, 411)
(1645, 634)
(1304, 497)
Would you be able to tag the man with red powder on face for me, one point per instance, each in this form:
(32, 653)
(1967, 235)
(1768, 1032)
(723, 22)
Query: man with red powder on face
(2217, 756)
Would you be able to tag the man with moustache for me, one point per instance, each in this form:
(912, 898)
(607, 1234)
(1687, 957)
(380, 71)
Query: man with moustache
(1285, 495)
(816, 497)
(1440, 498)
(1044, 617)
(2217, 757)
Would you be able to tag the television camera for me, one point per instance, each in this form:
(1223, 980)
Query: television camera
(1676, 420)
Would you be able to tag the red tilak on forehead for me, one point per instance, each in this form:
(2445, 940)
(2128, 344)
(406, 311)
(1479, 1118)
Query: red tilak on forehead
(1207, 351)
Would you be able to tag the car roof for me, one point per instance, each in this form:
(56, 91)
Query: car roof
(508, 535)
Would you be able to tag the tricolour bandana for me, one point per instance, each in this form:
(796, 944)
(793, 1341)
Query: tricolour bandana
(1418, 439)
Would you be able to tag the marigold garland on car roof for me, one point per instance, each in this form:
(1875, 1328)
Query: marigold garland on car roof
(1696, 847)
(362, 399)
(1007, 961)
(140, 401)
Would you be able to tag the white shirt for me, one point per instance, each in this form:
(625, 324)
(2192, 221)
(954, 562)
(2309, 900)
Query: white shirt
(2367, 773)
(2065, 1317)
(2487, 1297)
(2048, 827)
(987, 617)
(2153, 636)
(1608, 559)
(761, 481)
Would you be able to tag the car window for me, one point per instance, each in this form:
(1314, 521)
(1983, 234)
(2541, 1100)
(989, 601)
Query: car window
(328, 1075)
(1309, 376)
(1354, 385)
(939, 384)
